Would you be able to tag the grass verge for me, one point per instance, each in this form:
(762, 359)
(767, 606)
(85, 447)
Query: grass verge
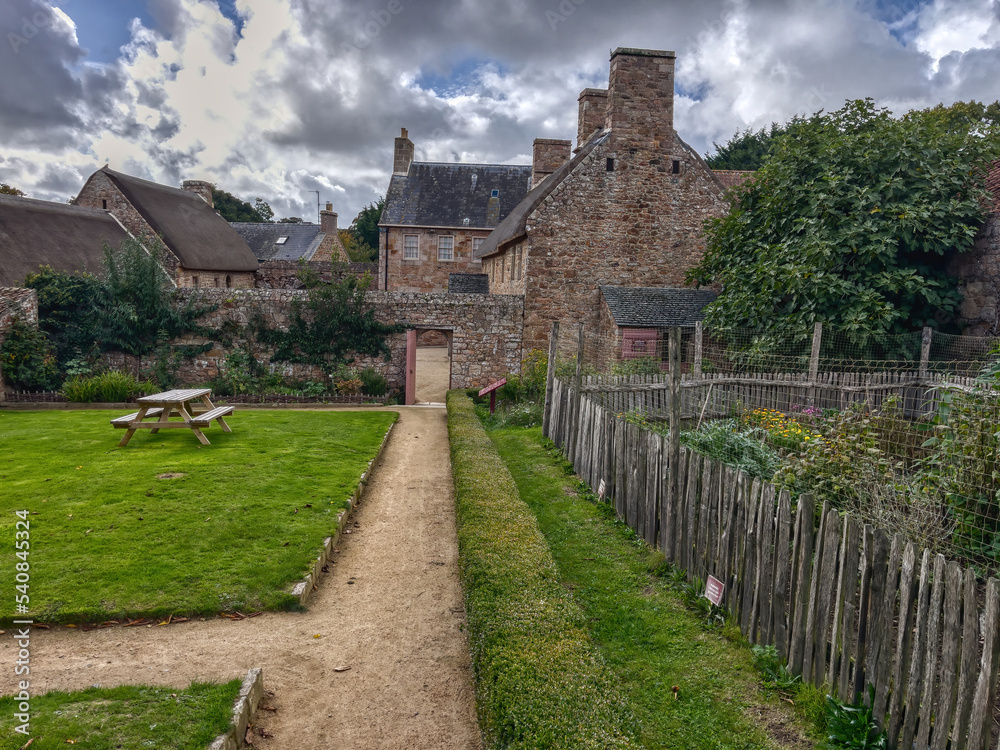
(540, 682)
(647, 636)
(132, 716)
(165, 525)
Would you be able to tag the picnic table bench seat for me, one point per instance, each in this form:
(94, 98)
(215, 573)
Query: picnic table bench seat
(129, 418)
(206, 418)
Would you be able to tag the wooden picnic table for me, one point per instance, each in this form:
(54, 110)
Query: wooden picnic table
(177, 403)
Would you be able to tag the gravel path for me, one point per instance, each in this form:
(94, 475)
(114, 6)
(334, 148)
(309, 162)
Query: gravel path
(390, 609)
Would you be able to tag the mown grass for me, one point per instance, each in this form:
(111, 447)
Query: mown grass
(646, 635)
(111, 538)
(540, 683)
(132, 717)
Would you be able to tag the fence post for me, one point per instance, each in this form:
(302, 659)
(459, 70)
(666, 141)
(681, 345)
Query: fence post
(699, 331)
(550, 376)
(574, 411)
(814, 361)
(925, 351)
(674, 458)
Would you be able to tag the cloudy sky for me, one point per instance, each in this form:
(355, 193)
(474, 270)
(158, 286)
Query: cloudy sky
(277, 98)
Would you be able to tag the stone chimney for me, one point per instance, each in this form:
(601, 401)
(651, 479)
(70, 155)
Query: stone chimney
(328, 220)
(593, 113)
(641, 97)
(202, 188)
(402, 154)
(547, 155)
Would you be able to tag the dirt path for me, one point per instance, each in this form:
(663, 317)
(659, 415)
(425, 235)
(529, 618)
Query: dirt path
(390, 608)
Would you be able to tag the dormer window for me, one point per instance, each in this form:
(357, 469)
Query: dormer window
(494, 194)
(281, 241)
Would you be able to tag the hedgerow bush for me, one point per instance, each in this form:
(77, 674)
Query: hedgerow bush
(540, 682)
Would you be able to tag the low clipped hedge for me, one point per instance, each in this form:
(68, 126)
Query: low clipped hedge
(540, 682)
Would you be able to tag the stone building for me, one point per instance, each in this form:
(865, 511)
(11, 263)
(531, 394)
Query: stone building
(281, 241)
(978, 271)
(42, 233)
(436, 215)
(201, 248)
(625, 211)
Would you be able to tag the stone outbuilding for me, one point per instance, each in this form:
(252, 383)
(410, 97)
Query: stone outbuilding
(283, 241)
(202, 248)
(626, 210)
(635, 320)
(37, 233)
(436, 216)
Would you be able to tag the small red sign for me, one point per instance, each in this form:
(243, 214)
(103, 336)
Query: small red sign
(714, 590)
(493, 386)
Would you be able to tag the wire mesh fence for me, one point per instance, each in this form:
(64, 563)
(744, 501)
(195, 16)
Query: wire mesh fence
(902, 431)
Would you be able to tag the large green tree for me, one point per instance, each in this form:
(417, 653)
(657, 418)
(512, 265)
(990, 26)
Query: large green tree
(848, 222)
(364, 228)
(6, 189)
(746, 150)
(232, 208)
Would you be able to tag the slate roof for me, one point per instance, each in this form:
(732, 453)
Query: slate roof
(656, 307)
(194, 232)
(68, 238)
(468, 283)
(433, 194)
(513, 226)
(731, 178)
(302, 240)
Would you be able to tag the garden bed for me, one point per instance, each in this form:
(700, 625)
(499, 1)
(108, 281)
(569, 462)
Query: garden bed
(168, 527)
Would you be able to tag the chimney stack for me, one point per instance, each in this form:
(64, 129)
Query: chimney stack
(547, 155)
(202, 188)
(641, 97)
(402, 154)
(328, 220)
(593, 113)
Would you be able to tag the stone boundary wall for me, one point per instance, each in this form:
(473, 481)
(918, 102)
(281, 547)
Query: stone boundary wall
(484, 333)
(283, 274)
(978, 272)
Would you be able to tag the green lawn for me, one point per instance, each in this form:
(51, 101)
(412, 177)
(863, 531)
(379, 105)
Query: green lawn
(235, 526)
(649, 639)
(132, 717)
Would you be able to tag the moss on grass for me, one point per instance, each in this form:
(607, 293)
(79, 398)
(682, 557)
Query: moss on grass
(540, 683)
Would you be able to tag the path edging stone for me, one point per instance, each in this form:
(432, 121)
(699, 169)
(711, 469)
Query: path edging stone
(251, 692)
(305, 587)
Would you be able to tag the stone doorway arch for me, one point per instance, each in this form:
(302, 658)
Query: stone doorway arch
(428, 364)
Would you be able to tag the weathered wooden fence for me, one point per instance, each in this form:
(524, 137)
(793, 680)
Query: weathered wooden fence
(844, 605)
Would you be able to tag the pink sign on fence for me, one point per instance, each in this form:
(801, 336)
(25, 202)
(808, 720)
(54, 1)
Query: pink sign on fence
(714, 590)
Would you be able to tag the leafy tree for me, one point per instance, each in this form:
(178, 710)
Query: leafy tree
(67, 311)
(846, 223)
(135, 309)
(292, 220)
(746, 150)
(332, 325)
(28, 359)
(972, 116)
(232, 208)
(6, 189)
(358, 252)
(365, 225)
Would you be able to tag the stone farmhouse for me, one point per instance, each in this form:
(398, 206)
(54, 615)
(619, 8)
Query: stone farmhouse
(294, 242)
(41, 233)
(436, 216)
(202, 249)
(626, 210)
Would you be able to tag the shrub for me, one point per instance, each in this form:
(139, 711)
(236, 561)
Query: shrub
(108, 387)
(745, 448)
(373, 383)
(852, 727)
(540, 682)
(637, 366)
(80, 389)
(28, 358)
